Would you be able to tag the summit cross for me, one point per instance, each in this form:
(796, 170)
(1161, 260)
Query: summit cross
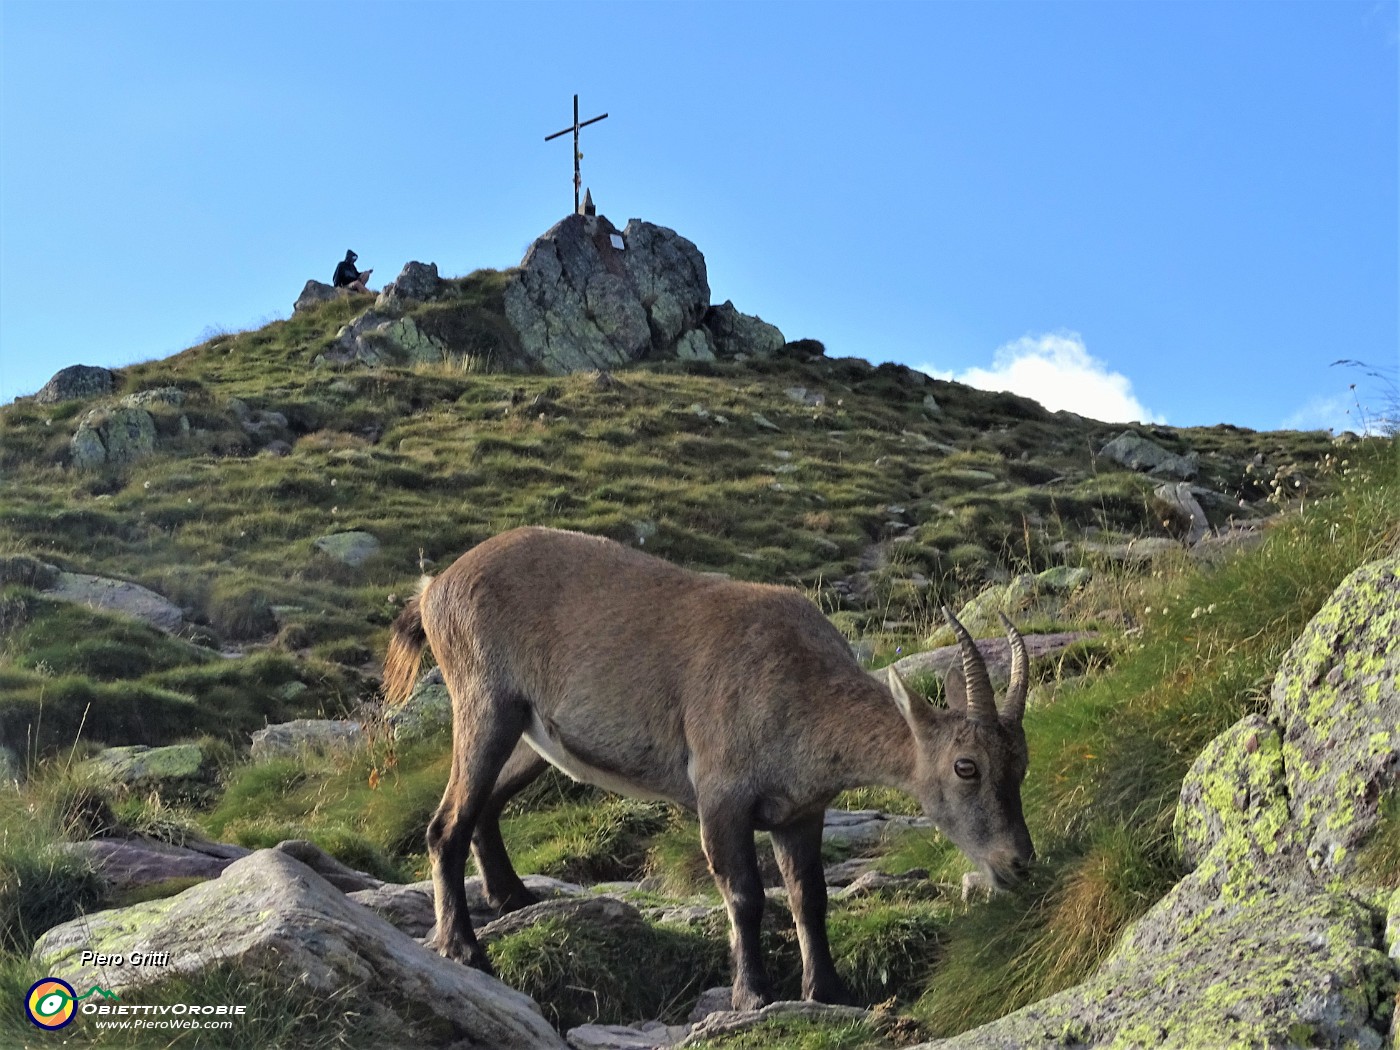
(578, 181)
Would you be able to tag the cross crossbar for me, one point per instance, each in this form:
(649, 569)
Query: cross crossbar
(578, 181)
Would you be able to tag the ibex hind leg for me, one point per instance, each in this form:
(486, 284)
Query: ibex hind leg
(503, 887)
(798, 849)
(483, 737)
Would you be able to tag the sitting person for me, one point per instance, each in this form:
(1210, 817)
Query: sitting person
(347, 277)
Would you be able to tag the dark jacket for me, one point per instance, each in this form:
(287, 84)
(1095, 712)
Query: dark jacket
(345, 272)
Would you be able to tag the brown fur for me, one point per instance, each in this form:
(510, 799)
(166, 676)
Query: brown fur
(738, 701)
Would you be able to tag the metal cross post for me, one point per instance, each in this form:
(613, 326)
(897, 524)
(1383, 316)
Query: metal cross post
(578, 181)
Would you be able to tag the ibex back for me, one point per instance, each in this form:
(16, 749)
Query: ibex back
(738, 701)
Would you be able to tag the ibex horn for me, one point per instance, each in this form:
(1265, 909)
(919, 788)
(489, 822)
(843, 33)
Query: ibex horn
(981, 703)
(1015, 705)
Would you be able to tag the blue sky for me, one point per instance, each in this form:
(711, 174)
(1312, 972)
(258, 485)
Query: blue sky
(1172, 211)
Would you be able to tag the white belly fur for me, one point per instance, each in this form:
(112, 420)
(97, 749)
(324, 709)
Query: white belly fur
(552, 750)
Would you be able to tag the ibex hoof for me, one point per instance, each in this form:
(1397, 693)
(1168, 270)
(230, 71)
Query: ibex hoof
(467, 953)
(750, 998)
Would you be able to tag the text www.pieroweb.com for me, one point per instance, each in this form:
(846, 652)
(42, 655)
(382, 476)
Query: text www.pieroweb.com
(183, 1016)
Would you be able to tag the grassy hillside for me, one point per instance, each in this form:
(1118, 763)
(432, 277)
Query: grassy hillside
(877, 502)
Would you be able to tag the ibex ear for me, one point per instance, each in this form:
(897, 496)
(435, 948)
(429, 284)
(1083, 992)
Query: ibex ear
(914, 708)
(955, 690)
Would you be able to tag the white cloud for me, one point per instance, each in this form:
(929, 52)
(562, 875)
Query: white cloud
(1058, 371)
(1337, 412)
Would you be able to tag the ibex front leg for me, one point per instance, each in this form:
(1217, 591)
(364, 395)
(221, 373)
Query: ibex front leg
(726, 833)
(798, 848)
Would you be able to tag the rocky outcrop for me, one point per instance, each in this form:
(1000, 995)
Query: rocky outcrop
(1132, 450)
(588, 296)
(1180, 511)
(416, 283)
(75, 383)
(734, 333)
(1273, 939)
(276, 920)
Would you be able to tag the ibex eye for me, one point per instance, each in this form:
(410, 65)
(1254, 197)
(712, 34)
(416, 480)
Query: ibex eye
(965, 768)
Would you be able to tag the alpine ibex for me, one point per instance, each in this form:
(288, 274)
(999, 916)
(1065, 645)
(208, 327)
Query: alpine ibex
(738, 701)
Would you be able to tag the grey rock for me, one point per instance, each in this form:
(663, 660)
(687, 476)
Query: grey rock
(130, 863)
(1180, 511)
(1131, 552)
(859, 829)
(271, 917)
(593, 912)
(161, 395)
(426, 713)
(1132, 450)
(995, 651)
(341, 876)
(314, 292)
(734, 333)
(76, 383)
(803, 396)
(1063, 579)
(350, 548)
(1336, 700)
(416, 282)
(139, 766)
(766, 423)
(115, 437)
(410, 907)
(650, 1036)
(712, 1001)
(118, 596)
(727, 1022)
(911, 885)
(845, 872)
(931, 405)
(695, 345)
(577, 303)
(294, 738)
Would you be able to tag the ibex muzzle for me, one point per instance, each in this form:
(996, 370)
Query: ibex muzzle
(738, 701)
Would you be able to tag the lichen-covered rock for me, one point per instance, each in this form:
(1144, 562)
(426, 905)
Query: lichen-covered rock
(579, 302)
(138, 766)
(427, 711)
(113, 436)
(1291, 968)
(76, 382)
(273, 918)
(1337, 700)
(734, 333)
(1233, 814)
(161, 395)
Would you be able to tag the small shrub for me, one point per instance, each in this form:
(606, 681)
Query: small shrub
(240, 609)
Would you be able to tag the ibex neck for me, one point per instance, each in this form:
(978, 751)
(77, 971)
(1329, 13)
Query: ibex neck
(878, 746)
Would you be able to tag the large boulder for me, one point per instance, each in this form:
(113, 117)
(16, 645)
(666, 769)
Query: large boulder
(1130, 449)
(580, 302)
(416, 282)
(314, 293)
(734, 333)
(273, 919)
(138, 767)
(115, 436)
(1336, 701)
(118, 596)
(77, 382)
(1273, 938)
